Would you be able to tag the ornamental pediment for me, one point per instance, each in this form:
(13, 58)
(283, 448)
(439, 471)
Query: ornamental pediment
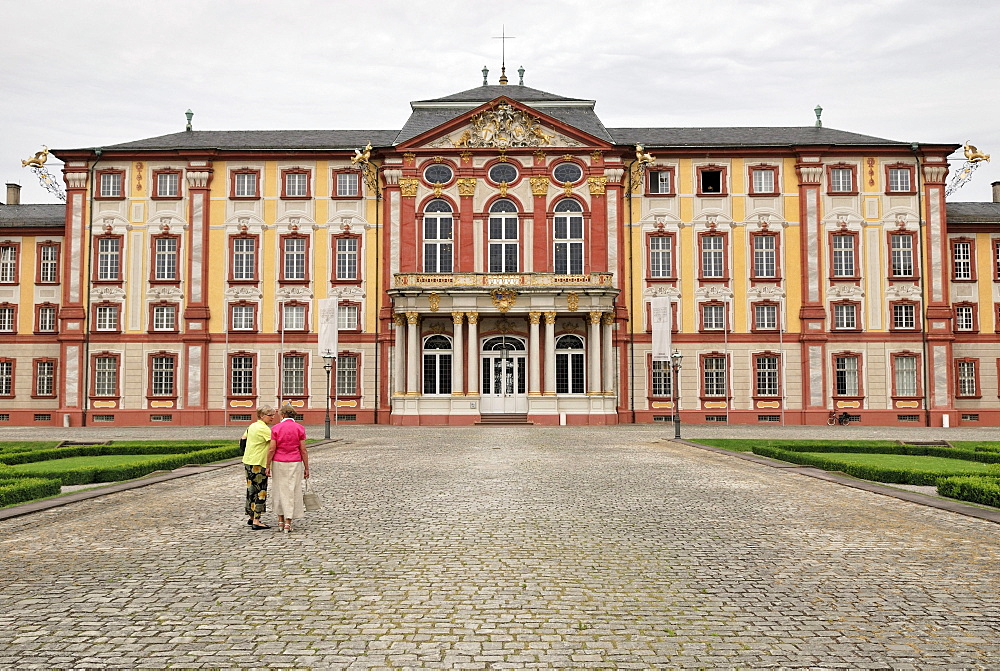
(503, 126)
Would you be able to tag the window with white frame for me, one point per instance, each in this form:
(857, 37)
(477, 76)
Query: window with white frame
(296, 184)
(45, 378)
(165, 259)
(503, 237)
(105, 376)
(167, 184)
(294, 252)
(713, 261)
(244, 259)
(47, 319)
(106, 318)
(293, 375)
(899, 179)
(568, 238)
(713, 316)
(163, 374)
(8, 264)
(48, 264)
(901, 247)
(294, 317)
(906, 375)
(965, 318)
(845, 316)
(7, 324)
(347, 317)
(347, 184)
(570, 365)
(437, 365)
(841, 180)
(243, 317)
(904, 316)
(661, 181)
(961, 260)
(347, 258)
(843, 255)
(763, 181)
(347, 375)
(663, 378)
(245, 185)
(438, 237)
(6, 378)
(241, 375)
(765, 316)
(767, 375)
(661, 250)
(164, 317)
(846, 379)
(111, 184)
(715, 375)
(765, 250)
(109, 259)
(966, 374)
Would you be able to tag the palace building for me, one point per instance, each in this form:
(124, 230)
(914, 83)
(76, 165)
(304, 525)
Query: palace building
(494, 260)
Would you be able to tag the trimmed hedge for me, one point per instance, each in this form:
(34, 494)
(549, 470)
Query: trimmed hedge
(898, 476)
(984, 457)
(972, 488)
(135, 447)
(19, 490)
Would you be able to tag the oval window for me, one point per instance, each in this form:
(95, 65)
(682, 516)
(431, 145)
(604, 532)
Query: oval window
(437, 174)
(567, 172)
(503, 172)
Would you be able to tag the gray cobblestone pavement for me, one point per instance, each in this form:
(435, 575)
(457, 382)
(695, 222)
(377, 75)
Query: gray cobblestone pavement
(505, 547)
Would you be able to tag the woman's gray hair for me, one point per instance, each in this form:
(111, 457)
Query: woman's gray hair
(264, 410)
(288, 411)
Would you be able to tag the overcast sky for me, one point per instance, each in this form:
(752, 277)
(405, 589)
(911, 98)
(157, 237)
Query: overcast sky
(101, 72)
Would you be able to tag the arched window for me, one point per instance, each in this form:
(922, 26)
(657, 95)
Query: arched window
(568, 237)
(438, 234)
(503, 232)
(570, 365)
(437, 365)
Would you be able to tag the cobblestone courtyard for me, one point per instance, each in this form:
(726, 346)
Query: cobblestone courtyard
(505, 548)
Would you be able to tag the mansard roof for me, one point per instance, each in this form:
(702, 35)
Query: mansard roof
(48, 216)
(262, 139)
(776, 136)
(974, 213)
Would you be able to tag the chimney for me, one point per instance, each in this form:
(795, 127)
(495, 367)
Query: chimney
(14, 193)
(996, 192)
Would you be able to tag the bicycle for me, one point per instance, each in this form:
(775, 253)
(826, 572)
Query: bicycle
(842, 418)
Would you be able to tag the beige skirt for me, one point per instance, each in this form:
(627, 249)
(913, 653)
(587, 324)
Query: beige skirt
(285, 489)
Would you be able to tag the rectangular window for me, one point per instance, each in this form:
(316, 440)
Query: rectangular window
(347, 317)
(661, 182)
(165, 259)
(294, 250)
(46, 319)
(965, 318)
(765, 316)
(347, 185)
(45, 378)
(901, 249)
(111, 185)
(242, 376)
(296, 185)
(162, 369)
(244, 259)
(293, 375)
(904, 316)
(967, 384)
(899, 180)
(763, 181)
(6, 378)
(713, 317)
(569, 372)
(568, 253)
(8, 264)
(243, 317)
(663, 379)
(7, 319)
(710, 181)
(105, 376)
(843, 256)
(661, 260)
(48, 264)
(347, 258)
(845, 316)
(765, 256)
(167, 185)
(347, 376)
(438, 242)
(245, 185)
(714, 370)
(294, 317)
(841, 180)
(846, 374)
(109, 259)
(906, 375)
(961, 254)
(767, 375)
(713, 256)
(503, 245)
(106, 318)
(164, 317)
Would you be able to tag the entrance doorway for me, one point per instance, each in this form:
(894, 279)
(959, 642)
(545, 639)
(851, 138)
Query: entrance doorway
(505, 374)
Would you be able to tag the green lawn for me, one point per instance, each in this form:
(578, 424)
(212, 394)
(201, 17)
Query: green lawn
(933, 464)
(747, 444)
(105, 461)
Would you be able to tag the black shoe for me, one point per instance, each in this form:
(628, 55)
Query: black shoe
(258, 527)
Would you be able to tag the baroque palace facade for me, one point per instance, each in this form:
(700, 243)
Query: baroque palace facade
(495, 259)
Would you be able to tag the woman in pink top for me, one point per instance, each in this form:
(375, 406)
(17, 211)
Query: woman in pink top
(287, 465)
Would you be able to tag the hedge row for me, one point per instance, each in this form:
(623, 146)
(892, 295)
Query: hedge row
(19, 490)
(137, 448)
(972, 488)
(87, 474)
(985, 457)
(898, 476)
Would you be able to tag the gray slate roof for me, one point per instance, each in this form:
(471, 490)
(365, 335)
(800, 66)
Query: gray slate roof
(484, 94)
(263, 139)
(974, 213)
(33, 215)
(779, 136)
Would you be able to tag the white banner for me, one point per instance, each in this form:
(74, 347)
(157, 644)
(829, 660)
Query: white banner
(326, 309)
(659, 309)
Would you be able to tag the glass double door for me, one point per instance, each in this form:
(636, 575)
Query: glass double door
(504, 376)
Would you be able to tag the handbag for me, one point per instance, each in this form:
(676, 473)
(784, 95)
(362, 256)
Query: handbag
(310, 499)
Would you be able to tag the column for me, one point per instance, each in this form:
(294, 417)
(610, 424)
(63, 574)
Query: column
(473, 349)
(608, 357)
(594, 355)
(812, 314)
(550, 354)
(412, 352)
(458, 351)
(534, 369)
(75, 300)
(199, 268)
(399, 357)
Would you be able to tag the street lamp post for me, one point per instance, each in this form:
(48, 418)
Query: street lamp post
(675, 367)
(327, 366)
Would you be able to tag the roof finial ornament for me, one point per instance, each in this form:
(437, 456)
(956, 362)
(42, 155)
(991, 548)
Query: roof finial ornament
(486, 71)
(819, 113)
(190, 115)
(520, 71)
(503, 53)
